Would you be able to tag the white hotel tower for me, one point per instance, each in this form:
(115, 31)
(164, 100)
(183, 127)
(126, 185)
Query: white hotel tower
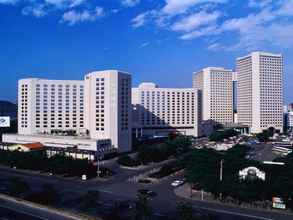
(108, 107)
(214, 86)
(260, 91)
(91, 115)
(159, 111)
(48, 105)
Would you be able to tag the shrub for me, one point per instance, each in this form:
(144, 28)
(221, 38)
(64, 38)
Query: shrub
(127, 161)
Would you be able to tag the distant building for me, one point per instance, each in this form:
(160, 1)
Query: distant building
(159, 111)
(260, 91)
(214, 87)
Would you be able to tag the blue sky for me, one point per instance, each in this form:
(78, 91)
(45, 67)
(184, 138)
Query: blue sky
(163, 41)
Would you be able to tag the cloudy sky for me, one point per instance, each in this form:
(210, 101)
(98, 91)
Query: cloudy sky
(163, 41)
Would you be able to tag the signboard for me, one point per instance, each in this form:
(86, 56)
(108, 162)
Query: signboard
(4, 122)
(278, 203)
(252, 172)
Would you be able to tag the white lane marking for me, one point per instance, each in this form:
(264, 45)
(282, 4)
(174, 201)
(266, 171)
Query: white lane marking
(235, 213)
(22, 212)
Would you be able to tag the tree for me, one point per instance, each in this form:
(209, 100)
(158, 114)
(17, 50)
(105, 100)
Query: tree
(264, 136)
(271, 131)
(127, 161)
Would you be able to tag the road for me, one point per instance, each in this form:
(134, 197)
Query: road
(14, 211)
(118, 189)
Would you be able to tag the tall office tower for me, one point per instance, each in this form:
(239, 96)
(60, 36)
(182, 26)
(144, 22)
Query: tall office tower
(215, 95)
(108, 107)
(159, 111)
(260, 91)
(47, 106)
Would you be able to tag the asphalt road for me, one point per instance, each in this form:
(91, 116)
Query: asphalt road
(118, 189)
(8, 214)
(14, 211)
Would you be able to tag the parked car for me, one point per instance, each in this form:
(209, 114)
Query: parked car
(177, 183)
(147, 192)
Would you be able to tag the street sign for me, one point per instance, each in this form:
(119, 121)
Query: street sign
(4, 122)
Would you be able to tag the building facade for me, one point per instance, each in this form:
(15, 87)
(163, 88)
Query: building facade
(108, 107)
(260, 91)
(159, 111)
(49, 106)
(214, 86)
(92, 115)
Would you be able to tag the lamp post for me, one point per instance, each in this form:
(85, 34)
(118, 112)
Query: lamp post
(221, 175)
(99, 157)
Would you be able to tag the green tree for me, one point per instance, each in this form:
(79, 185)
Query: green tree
(264, 136)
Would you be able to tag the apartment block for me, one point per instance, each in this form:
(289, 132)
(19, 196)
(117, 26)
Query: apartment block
(159, 111)
(214, 86)
(260, 91)
(108, 107)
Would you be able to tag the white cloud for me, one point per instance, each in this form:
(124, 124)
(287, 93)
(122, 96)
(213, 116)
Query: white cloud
(72, 17)
(145, 44)
(181, 6)
(130, 3)
(143, 18)
(8, 2)
(64, 3)
(195, 20)
(37, 11)
(207, 31)
(286, 8)
(259, 3)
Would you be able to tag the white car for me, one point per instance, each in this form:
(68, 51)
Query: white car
(177, 183)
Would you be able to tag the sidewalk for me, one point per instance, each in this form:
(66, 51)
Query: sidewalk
(185, 193)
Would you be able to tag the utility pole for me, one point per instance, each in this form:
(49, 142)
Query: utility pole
(98, 165)
(221, 170)
(221, 175)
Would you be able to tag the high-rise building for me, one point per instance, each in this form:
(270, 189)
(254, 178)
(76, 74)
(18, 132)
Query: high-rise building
(214, 86)
(108, 107)
(48, 106)
(260, 91)
(159, 111)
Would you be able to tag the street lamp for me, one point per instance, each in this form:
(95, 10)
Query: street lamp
(221, 175)
(99, 157)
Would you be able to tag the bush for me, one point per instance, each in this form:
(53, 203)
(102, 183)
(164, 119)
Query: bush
(161, 152)
(167, 170)
(221, 135)
(127, 161)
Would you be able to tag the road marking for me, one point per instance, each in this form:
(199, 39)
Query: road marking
(234, 213)
(23, 212)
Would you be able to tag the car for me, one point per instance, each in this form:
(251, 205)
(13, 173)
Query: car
(177, 183)
(147, 192)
